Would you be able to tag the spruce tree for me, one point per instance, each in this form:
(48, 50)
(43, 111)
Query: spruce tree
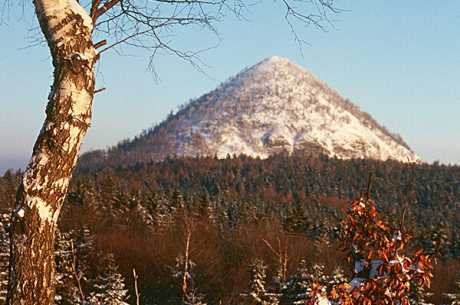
(418, 295)
(338, 277)
(257, 294)
(296, 289)
(454, 297)
(163, 212)
(4, 255)
(317, 275)
(84, 247)
(68, 276)
(193, 297)
(299, 288)
(109, 285)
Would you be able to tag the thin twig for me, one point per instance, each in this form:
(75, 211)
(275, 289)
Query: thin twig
(99, 90)
(99, 44)
(136, 288)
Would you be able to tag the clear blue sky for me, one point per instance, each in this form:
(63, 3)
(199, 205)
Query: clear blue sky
(398, 60)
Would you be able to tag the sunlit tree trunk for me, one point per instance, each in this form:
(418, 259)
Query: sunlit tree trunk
(68, 29)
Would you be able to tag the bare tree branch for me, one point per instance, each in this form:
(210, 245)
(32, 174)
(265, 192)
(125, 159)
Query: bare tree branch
(148, 24)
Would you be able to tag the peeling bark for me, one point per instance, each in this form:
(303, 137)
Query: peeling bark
(68, 29)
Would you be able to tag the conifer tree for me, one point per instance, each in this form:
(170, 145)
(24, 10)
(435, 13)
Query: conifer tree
(164, 213)
(193, 297)
(317, 275)
(258, 294)
(418, 295)
(295, 291)
(299, 288)
(338, 277)
(280, 251)
(454, 297)
(280, 281)
(68, 276)
(4, 255)
(92, 202)
(145, 215)
(230, 219)
(82, 253)
(84, 247)
(257, 290)
(109, 285)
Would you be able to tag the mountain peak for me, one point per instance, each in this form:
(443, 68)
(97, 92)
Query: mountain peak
(276, 59)
(279, 68)
(270, 107)
(275, 62)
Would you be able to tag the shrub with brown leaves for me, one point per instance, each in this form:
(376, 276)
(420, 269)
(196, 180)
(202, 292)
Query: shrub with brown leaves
(383, 272)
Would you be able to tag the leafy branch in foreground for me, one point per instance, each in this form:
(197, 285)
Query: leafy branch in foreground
(383, 271)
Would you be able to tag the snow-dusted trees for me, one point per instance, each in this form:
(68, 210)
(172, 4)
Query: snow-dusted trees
(109, 285)
(300, 288)
(69, 276)
(68, 30)
(338, 277)
(418, 295)
(68, 27)
(257, 294)
(4, 255)
(73, 259)
(75, 283)
(281, 254)
(296, 289)
(454, 296)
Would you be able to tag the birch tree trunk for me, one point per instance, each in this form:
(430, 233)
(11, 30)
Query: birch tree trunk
(68, 29)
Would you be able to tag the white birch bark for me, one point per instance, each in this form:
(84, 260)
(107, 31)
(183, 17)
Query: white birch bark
(68, 29)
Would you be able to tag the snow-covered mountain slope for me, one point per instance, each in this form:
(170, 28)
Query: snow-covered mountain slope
(270, 107)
